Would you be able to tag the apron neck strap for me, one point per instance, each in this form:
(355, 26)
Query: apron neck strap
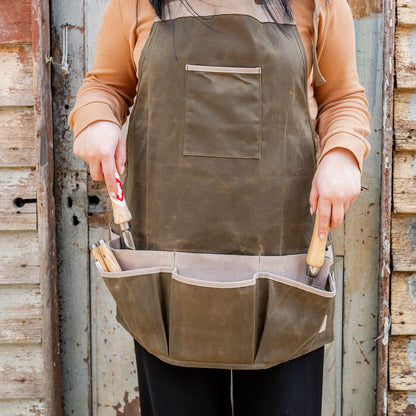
(319, 79)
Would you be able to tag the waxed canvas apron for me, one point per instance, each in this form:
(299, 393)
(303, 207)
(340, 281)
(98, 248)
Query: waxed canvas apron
(221, 157)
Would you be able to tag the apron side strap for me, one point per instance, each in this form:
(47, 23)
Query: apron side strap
(319, 79)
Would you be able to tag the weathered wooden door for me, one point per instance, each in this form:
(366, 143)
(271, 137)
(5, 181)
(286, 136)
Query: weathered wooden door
(98, 364)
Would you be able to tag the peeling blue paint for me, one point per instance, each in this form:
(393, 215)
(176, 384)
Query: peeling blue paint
(411, 283)
(411, 107)
(411, 398)
(411, 355)
(413, 44)
(411, 231)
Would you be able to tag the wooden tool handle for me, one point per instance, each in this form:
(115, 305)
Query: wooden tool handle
(109, 258)
(98, 258)
(317, 247)
(121, 212)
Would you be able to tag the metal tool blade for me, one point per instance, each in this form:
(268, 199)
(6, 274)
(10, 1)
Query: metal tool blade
(312, 272)
(127, 241)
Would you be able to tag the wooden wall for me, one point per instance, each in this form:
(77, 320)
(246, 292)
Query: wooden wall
(25, 329)
(402, 348)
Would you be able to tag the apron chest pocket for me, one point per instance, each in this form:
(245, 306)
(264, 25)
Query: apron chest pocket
(222, 112)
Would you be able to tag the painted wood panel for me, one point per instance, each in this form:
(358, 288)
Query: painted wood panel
(406, 12)
(21, 371)
(14, 407)
(406, 57)
(16, 75)
(403, 304)
(402, 363)
(361, 9)
(71, 214)
(402, 403)
(405, 119)
(361, 261)
(20, 315)
(402, 349)
(18, 206)
(19, 260)
(403, 238)
(404, 182)
(15, 21)
(17, 137)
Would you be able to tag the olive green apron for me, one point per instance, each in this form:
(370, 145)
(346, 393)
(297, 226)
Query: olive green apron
(221, 156)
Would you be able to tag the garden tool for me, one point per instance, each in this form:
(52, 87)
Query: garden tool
(316, 252)
(109, 258)
(98, 258)
(122, 216)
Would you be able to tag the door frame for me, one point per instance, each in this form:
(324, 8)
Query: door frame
(46, 206)
(389, 10)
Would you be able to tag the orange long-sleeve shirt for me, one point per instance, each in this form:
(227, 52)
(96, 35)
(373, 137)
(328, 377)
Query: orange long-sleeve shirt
(338, 107)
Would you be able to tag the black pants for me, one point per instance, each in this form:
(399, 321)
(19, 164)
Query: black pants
(293, 388)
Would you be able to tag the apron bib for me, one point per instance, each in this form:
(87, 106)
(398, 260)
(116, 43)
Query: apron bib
(221, 157)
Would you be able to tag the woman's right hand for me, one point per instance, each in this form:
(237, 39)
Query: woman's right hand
(103, 146)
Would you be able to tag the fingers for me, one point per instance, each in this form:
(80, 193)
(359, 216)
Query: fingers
(324, 217)
(337, 215)
(313, 198)
(96, 171)
(108, 169)
(120, 155)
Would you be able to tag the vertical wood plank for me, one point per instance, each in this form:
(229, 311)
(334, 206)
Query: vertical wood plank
(71, 213)
(361, 259)
(387, 140)
(46, 206)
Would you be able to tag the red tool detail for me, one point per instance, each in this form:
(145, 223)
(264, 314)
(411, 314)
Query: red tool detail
(120, 193)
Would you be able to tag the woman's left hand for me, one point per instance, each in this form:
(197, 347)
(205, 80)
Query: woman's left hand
(336, 185)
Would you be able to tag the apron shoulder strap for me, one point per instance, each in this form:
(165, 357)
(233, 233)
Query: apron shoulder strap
(319, 79)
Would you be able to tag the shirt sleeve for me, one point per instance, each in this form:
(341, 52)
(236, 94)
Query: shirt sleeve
(109, 88)
(343, 117)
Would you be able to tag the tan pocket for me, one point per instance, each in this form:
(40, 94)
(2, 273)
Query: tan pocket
(294, 316)
(223, 112)
(142, 298)
(212, 325)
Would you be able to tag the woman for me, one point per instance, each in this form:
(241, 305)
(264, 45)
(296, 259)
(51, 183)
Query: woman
(221, 155)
